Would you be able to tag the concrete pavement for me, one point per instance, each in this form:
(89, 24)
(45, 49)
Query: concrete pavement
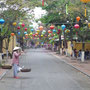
(48, 73)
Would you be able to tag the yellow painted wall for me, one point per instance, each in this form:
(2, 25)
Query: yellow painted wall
(69, 47)
(12, 44)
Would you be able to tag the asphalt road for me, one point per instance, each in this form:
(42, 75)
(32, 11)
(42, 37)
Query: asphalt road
(48, 73)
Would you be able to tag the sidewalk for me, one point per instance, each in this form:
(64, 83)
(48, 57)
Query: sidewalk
(83, 67)
(4, 71)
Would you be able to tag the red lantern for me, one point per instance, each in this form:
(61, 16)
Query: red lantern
(78, 18)
(25, 29)
(18, 27)
(59, 30)
(51, 27)
(41, 28)
(12, 34)
(76, 26)
(23, 24)
(42, 2)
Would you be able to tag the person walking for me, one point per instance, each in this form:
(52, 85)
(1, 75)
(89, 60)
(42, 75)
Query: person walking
(15, 62)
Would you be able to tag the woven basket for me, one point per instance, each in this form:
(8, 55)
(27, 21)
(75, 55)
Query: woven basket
(6, 67)
(25, 70)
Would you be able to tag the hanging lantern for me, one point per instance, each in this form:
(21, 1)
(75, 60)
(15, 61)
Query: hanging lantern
(38, 31)
(76, 26)
(32, 30)
(25, 32)
(36, 34)
(78, 18)
(49, 31)
(41, 35)
(14, 23)
(51, 27)
(19, 33)
(63, 27)
(54, 30)
(2, 21)
(59, 30)
(23, 24)
(41, 28)
(12, 34)
(31, 33)
(25, 29)
(89, 25)
(85, 1)
(18, 27)
(26, 35)
(20, 23)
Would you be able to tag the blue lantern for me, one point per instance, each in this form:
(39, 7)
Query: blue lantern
(32, 30)
(25, 32)
(54, 30)
(2, 21)
(63, 27)
(18, 33)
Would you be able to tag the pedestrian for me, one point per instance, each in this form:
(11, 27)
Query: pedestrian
(15, 62)
(86, 54)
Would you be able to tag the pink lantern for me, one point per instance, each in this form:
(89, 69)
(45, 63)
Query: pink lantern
(59, 30)
(23, 24)
(25, 29)
(76, 26)
(18, 27)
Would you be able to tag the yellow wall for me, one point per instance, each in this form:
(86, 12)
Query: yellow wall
(12, 44)
(69, 47)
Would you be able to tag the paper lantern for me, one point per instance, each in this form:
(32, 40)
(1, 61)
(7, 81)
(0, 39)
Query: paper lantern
(54, 30)
(41, 35)
(2, 21)
(20, 23)
(59, 30)
(32, 30)
(12, 34)
(23, 24)
(19, 33)
(36, 34)
(41, 28)
(26, 35)
(38, 31)
(14, 23)
(76, 26)
(31, 33)
(25, 29)
(78, 18)
(18, 27)
(49, 31)
(85, 1)
(51, 27)
(63, 27)
(25, 32)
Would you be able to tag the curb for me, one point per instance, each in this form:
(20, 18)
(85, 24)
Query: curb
(72, 65)
(4, 73)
